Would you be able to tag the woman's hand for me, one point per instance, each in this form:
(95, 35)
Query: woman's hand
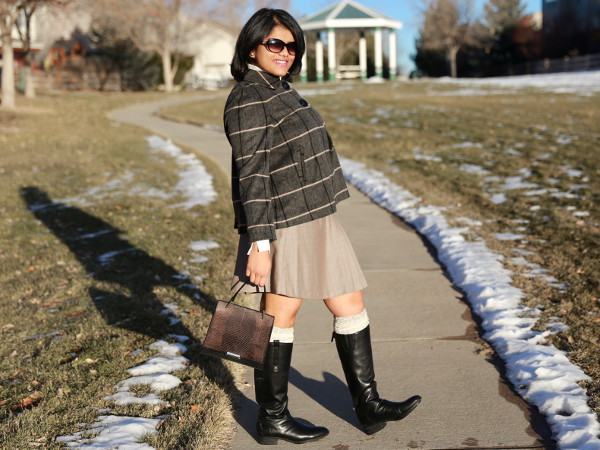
(259, 266)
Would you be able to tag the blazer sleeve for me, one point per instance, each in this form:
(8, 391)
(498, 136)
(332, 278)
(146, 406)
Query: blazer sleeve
(247, 129)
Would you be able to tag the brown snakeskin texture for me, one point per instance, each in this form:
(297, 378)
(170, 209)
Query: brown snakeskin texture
(239, 330)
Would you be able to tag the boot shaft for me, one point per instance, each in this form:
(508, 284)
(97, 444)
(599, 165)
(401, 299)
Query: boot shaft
(271, 383)
(356, 356)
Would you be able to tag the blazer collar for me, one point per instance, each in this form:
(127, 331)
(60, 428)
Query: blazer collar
(264, 79)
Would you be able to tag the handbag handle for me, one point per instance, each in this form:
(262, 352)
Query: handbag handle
(241, 287)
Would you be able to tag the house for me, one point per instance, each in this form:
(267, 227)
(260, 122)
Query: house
(65, 58)
(212, 49)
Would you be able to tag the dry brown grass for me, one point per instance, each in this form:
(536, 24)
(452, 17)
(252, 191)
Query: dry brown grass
(69, 324)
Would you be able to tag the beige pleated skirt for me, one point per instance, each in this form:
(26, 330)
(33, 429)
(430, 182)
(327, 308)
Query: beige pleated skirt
(313, 260)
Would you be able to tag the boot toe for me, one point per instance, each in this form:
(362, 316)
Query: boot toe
(400, 410)
(290, 430)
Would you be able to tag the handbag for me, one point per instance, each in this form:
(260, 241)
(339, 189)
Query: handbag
(238, 333)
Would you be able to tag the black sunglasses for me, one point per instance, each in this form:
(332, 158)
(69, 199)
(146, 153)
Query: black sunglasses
(276, 46)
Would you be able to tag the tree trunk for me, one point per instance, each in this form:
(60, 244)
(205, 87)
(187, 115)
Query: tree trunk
(29, 83)
(167, 72)
(8, 73)
(452, 52)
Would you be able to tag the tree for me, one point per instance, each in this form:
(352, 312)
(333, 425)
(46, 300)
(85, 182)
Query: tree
(27, 9)
(161, 26)
(448, 26)
(9, 13)
(497, 30)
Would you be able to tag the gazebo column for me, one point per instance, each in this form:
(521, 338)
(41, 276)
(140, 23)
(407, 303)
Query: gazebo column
(331, 53)
(378, 53)
(393, 56)
(319, 58)
(304, 69)
(362, 55)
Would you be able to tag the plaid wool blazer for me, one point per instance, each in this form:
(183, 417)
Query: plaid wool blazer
(285, 170)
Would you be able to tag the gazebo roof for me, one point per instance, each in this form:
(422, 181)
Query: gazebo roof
(347, 14)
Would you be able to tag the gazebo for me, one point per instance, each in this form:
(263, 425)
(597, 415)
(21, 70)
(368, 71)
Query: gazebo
(348, 15)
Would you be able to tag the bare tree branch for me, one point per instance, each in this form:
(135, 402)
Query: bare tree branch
(448, 25)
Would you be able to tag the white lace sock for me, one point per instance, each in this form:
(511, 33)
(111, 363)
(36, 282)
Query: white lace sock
(351, 324)
(283, 335)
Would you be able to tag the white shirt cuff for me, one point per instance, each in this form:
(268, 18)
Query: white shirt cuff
(263, 246)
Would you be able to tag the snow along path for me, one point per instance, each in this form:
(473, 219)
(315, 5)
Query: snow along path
(124, 432)
(581, 83)
(542, 374)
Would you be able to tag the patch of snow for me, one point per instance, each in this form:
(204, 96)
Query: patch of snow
(95, 235)
(160, 364)
(509, 236)
(474, 169)
(521, 251)
(114, 432)
(498, 198)
(195, 183)
(347, 120)
(573, 173)
(470, 222)
(179, 337)
(512, 151)
(514, 183)
(125, 398)
(417, 153)
(565, 195)
(200, 246)
(158, 382)
(565, 139)
(108, 257)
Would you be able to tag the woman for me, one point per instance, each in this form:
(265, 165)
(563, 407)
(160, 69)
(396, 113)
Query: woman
(286, 183)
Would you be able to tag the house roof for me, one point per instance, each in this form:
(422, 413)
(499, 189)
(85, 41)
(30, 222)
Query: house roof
(347, 14)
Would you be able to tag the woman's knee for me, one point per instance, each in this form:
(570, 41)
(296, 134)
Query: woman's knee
(346, 305)
(283, 308)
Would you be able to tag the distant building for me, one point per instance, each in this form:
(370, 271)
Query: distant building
(212, 49)
(571, 27)
(64, 58)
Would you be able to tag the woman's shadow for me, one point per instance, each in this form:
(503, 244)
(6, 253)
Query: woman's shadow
(126, 278)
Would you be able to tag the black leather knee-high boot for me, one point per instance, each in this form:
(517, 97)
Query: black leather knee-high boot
(357, 361)
(271, 386)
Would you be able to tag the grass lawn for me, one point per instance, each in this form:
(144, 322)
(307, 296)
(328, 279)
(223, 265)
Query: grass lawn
(85, 278)
(522, 165)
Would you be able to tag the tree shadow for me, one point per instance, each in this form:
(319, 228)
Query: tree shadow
(132, 274)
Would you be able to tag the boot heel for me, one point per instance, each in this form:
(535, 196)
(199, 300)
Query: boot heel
(267, 440)
(372, 429)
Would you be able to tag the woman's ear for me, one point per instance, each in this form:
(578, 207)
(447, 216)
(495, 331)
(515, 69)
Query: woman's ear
(252, 55)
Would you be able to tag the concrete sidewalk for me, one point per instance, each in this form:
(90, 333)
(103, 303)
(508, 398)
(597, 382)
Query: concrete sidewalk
(424, 340)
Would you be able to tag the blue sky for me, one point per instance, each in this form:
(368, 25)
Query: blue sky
(406, 11)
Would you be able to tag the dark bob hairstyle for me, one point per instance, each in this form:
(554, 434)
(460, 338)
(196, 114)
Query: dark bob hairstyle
(254, 33)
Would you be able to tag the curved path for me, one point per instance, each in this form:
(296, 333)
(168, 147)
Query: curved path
(425, 340)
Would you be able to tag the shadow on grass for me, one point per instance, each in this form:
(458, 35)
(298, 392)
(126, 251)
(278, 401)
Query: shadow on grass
(110, 259)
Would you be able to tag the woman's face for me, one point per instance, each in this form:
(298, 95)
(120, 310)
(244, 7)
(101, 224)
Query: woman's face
(277, 64)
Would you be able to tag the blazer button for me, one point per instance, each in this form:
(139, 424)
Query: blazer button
(303, 102)
(286, 85)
